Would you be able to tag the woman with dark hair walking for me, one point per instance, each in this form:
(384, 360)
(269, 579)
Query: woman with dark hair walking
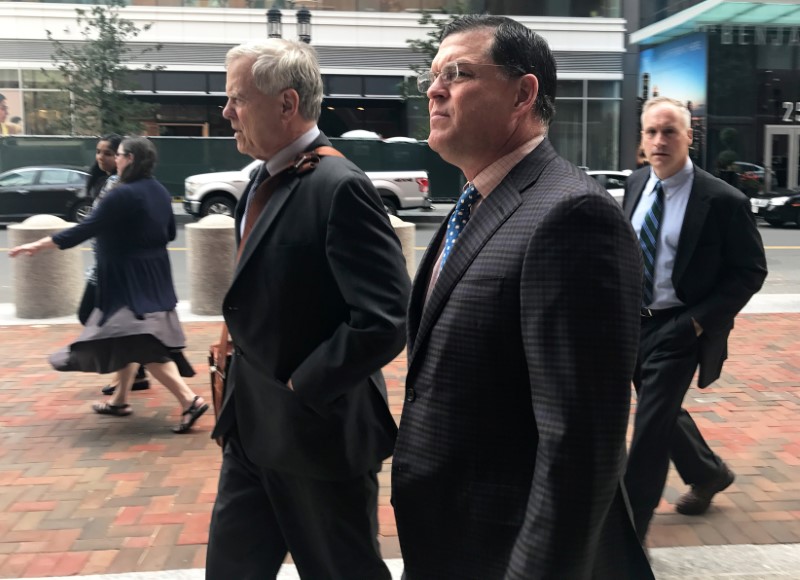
(134, 320)
(102, 178)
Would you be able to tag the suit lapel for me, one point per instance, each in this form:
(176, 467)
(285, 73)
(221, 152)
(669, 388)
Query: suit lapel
(696, 211)
(273, 207)
(422, 281)
(490, 216)
(266, 220)
(637, 182)
(238, 212)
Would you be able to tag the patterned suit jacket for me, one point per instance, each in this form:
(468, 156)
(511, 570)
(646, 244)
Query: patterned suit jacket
(512, 439)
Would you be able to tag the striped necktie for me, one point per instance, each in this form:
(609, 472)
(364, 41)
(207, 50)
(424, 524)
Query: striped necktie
(648, 241)
(459, 219)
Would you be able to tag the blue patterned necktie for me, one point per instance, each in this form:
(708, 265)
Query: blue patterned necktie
(459, 220)
(648, 240)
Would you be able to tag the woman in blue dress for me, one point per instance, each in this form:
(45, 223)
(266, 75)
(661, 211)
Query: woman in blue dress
(102, 178)
(134, 320)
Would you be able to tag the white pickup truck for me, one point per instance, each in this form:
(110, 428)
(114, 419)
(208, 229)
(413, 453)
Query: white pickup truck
(217, 193)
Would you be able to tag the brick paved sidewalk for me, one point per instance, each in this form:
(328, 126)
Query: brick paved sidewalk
(84, 494)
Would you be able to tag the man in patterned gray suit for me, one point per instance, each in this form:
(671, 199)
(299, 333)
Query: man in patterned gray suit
(523, 329)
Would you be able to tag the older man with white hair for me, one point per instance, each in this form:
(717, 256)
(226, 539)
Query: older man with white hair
(315, 309)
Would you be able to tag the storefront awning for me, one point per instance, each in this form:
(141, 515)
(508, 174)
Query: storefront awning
(783, 13)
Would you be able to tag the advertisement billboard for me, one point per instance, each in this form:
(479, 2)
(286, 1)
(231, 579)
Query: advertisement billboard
(679, 69)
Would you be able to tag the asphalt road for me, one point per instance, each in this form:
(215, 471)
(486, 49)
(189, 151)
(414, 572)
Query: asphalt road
(783, 259)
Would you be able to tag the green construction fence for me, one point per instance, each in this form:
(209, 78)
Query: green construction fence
(180, 157)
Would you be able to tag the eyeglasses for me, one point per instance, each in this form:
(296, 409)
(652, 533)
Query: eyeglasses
(450, 73)
(121, 154)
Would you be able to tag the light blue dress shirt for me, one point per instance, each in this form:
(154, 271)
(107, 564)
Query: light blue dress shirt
(676, 195)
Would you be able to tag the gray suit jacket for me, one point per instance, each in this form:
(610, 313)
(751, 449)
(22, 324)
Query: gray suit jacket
(720, 262)
(512, 438)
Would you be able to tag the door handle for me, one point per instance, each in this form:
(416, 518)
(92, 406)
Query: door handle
(23, 191)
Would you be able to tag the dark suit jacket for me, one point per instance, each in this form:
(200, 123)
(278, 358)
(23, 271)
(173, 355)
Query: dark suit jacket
(720, 262)
(319, 297)
(512, 438)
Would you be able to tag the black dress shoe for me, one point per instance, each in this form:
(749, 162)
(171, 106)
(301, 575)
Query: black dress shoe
(137, 386)
(698, 499)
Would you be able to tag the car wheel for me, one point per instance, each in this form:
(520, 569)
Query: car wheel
(389, 205)
(797, 219)
(80, 210)
(217, 205)
(774, 223)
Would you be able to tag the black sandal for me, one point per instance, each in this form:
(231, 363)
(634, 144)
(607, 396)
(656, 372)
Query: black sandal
(115, 410)
(194, 412)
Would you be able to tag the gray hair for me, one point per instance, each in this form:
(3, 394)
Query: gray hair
(686, 114)
(284, 64)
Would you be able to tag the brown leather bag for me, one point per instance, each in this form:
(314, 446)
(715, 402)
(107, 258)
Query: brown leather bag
(220, 353)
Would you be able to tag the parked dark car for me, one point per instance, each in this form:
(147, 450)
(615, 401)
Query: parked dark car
(778, 210)
(59, 191)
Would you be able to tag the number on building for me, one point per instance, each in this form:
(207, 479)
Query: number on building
(788, 109)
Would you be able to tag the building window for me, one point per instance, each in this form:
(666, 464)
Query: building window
(382, 86)
(9, 79)
(343, 85)
(46, 112)
(586, 126)
(602, 134)
(567, 128)
(216, 82)
(37, 79)
(189, 82)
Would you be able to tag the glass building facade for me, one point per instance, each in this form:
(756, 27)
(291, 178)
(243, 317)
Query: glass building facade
(763, 118)
(365, 85)
(586, 126)
(574, 8)
(737, 64)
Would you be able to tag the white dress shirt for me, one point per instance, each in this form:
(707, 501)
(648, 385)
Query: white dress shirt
(280, 160)
(676, 195)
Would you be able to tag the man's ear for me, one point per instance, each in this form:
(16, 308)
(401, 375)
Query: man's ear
(290, 103)
(527, 93)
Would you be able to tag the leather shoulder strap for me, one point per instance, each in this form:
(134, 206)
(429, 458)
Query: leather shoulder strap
(308, 160)
(303, 163)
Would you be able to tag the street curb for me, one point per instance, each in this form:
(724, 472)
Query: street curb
(414, 216)
(739, 562)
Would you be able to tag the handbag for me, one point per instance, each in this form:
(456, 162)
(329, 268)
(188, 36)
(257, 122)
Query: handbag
(220, 353)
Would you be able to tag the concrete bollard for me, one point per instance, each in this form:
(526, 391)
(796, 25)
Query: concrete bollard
(211, 244)
(406, 232)
(51, 283)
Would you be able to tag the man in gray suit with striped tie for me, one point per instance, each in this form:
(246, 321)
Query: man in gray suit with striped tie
(703, 260)
(523, 328)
